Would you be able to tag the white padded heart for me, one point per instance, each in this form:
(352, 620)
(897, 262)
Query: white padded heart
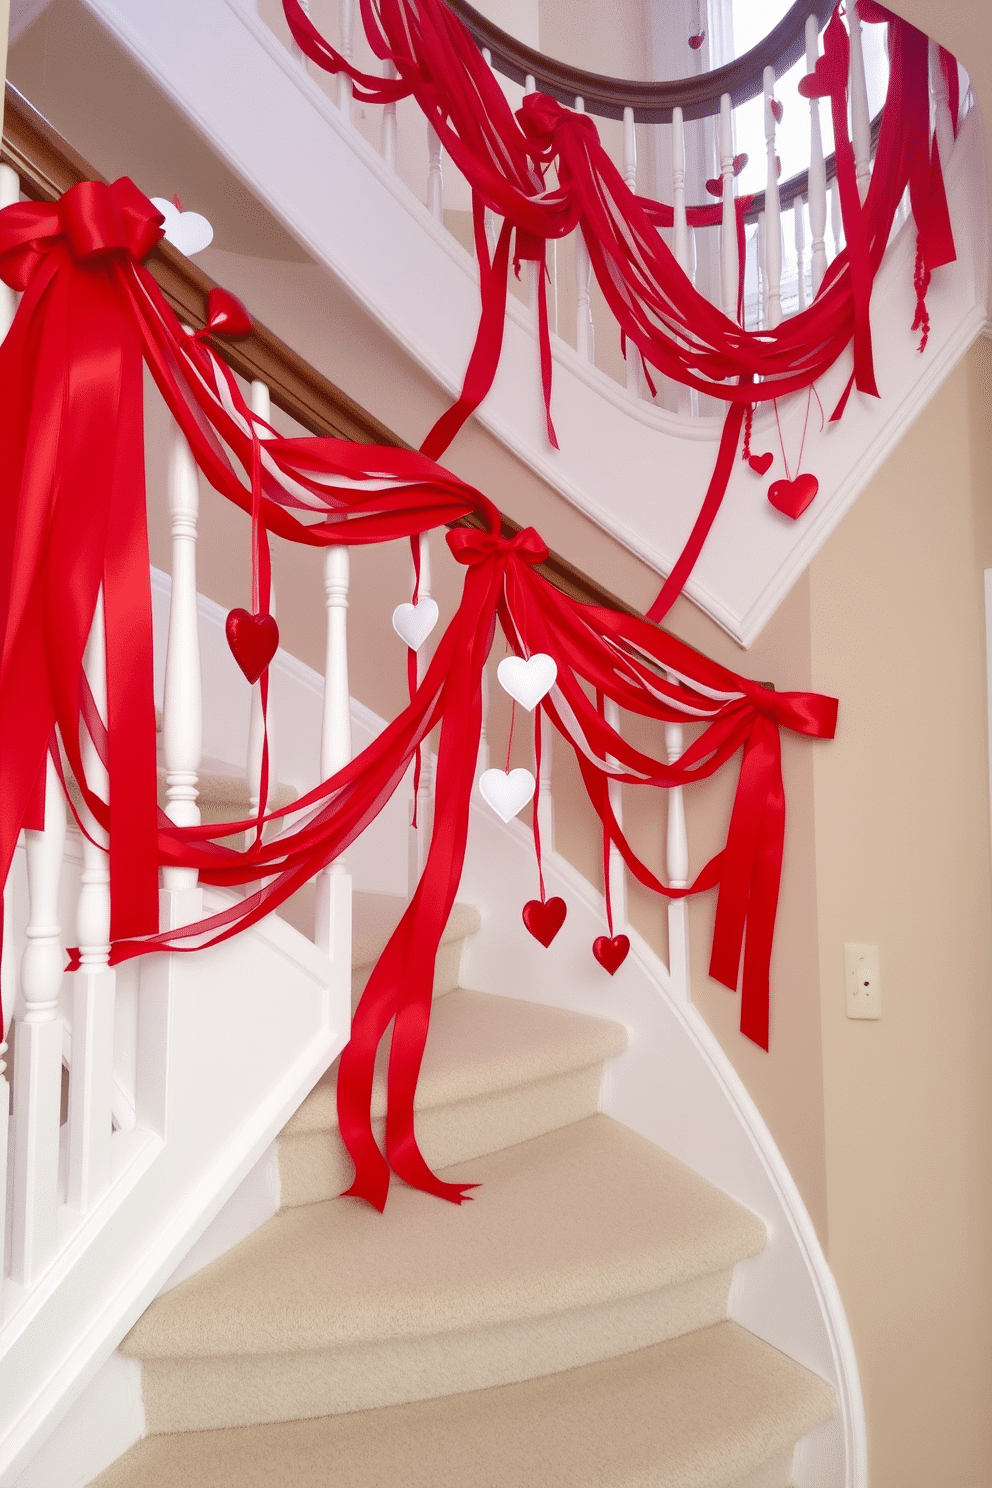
(414, 623)
(507, 793)
(187, 231)
(528, 681)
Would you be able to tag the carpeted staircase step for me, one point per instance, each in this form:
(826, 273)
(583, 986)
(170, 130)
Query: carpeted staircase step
(496, 1071)
(712, 1409)
(580, 1245)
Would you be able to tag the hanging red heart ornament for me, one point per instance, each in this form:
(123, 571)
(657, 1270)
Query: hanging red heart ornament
(761, 464)
(544, 918)
(792, 497)
(776, 109)
(696, 41)
(611, 954)
(253, 640)
(226, 316)
(740, 161)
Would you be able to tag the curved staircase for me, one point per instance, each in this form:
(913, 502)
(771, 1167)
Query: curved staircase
(568, 1326)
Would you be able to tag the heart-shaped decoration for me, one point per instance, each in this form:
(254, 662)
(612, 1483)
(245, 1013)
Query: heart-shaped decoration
(696, 41)
(507, 792)
(226, 316)
(544, 918)
(528, 681)
(761, 463)
(740, 161)
(776, 109)
(829, 76)
(714, 186)
(414, 623)
(792, 497)
(187, 231)
(611, 954)
(253, 640)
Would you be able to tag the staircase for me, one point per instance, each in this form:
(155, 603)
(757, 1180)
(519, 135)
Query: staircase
(568, 1326)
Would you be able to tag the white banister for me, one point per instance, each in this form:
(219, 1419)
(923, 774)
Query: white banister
(484, 731)
(346, 14)
(435, 179)
(617, 867)
(728, 230)
(686, 398)
(333, 889)
(260, 403)
(182, 720)
(773, 214)
(584, 337)
(389, 123)
(677, 866)
(545, 800)
(759, 251)
(836, 218)
(817, 170)
(91, 1074)
(422, 807)
(629, 149)
(860, 116)
(942, 121)
(38, 1049)
(799, 228)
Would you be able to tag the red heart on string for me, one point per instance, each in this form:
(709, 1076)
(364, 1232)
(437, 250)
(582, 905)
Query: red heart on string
(761, 463)
(611, 954)
(776, 109)
(544, 918)
(740, 161)
(829, 76)
(253, 640)
(226, 316)
(696, 41)
(792, 497)
(714, 186)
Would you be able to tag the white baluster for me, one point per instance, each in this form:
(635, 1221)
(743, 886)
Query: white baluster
(8, 971)
(860, 117)
(629, 149)
(260, 403)
(38, 1049)
(799, 226)
(182, 721)
(91, 1075)
(484, 732)
(420, 836)
(943, 123)
(389, 123)
(333, 916)
(677, 864)
(817, 171)
(617, 867)
(490, 218)
(759, 249)
(773, 214)
(346, 14)
(10, 190)
(545, 801)
(435, 180)
(728, 231)
(681, 243)
(584, 336)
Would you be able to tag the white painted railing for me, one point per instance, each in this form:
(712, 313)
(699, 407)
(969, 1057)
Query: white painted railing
(780, 279)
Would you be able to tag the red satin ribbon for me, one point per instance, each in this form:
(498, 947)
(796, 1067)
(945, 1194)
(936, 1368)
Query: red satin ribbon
(72, 503)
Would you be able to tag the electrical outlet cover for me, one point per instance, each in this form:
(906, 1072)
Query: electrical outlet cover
(862, 981)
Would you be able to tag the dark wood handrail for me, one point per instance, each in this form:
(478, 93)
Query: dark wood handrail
(47, 166)
(652, 103)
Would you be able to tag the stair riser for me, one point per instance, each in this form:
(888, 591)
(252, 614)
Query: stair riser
(446, 967)
(776, 1473)
(314, 1165)
(202, 1394)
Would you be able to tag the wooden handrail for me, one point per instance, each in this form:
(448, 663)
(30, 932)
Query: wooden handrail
(652, 103)
(47, 166)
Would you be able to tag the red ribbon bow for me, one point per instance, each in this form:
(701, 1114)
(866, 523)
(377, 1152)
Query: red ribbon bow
(470, 546)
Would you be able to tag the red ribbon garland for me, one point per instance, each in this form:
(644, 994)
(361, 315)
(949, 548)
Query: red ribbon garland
(72, 503)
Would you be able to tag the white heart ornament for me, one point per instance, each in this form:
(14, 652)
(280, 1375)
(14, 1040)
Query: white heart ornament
(507, 793)
(414, 623)
(187, 231)
(528, 681)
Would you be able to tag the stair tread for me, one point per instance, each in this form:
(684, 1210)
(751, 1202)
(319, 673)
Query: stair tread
(478, 1043)
(704, 1410)
(584, 1215)
(375, 917)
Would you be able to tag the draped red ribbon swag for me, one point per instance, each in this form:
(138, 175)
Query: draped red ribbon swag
(72, 522)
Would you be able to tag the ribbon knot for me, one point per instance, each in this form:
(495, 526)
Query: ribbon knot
(98, 220)
(542, 117)
(472, 547)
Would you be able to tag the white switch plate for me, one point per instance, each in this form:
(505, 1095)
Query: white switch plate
(862, 981)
